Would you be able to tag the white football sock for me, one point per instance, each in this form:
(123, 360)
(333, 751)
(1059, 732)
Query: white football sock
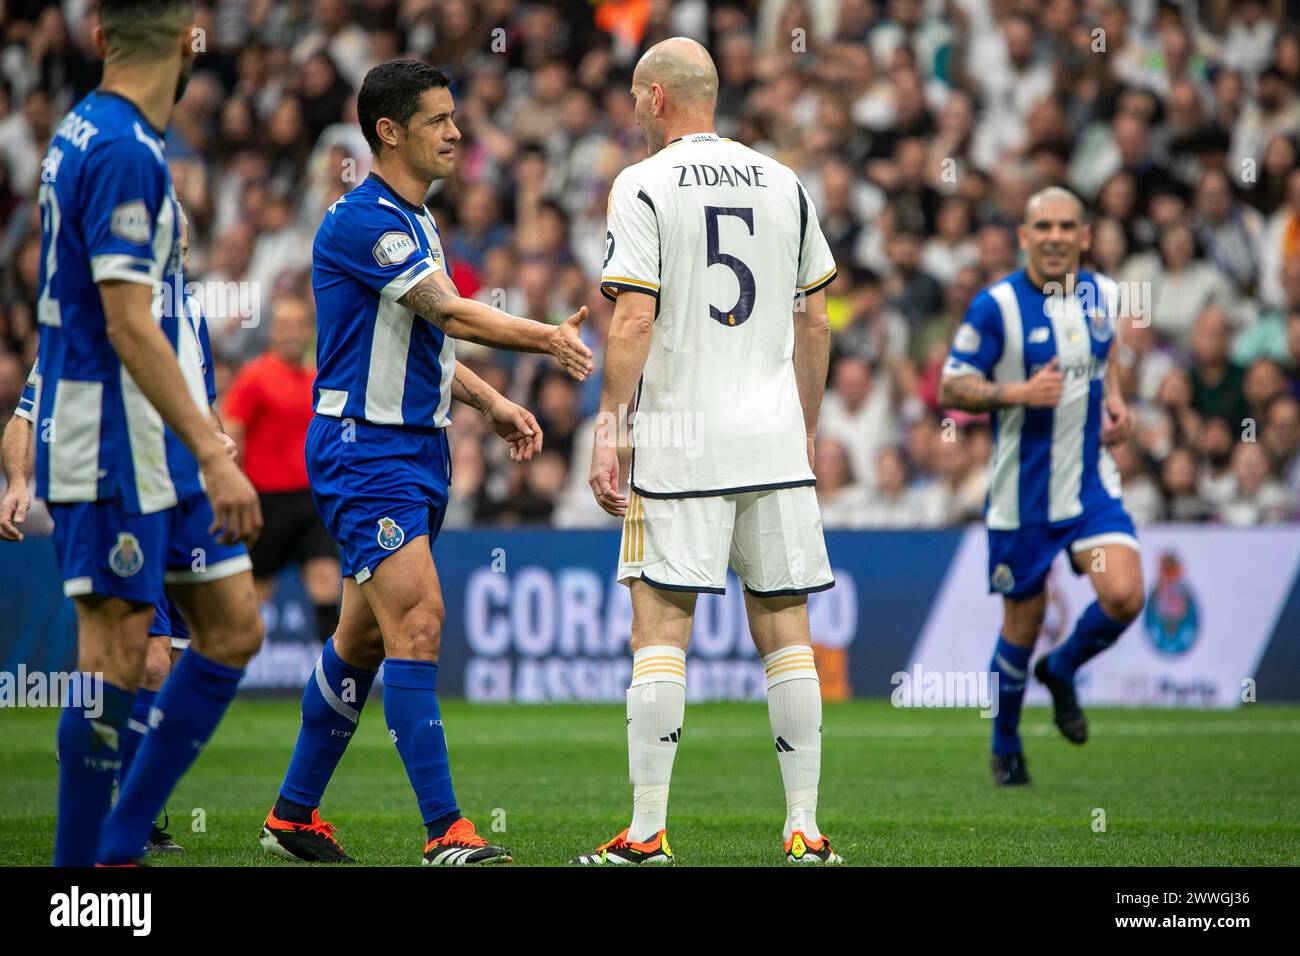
(656, 704)
(794, 704)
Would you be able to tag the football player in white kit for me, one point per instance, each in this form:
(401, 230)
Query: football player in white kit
(716, 263)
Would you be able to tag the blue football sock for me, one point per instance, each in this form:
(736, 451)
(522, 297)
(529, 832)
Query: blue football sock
(415, 724)
(1009, 664)
(1093, 633)
(89, 757)
(189, 706)
(331, 707)
(136, 728)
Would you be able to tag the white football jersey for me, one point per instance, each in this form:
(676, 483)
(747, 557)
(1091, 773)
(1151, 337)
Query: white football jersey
(728, 242)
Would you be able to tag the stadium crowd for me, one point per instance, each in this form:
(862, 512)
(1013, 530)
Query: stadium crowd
(919, 128)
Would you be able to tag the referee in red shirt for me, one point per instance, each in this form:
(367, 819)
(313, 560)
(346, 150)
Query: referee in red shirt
(266, 410)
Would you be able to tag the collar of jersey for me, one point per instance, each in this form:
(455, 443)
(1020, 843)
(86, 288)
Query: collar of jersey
(392, 194)
(713, 136)
(161, 134)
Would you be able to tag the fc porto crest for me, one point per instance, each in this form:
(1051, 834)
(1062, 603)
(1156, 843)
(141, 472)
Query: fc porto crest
(126, 558)
(390, 535)
(1003, 580)
(1172, 615)
(1099, 322)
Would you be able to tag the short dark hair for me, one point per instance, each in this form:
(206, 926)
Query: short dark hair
(393, 90)
(139, 29)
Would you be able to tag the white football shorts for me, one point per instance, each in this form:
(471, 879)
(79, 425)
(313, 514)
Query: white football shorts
(772, 539)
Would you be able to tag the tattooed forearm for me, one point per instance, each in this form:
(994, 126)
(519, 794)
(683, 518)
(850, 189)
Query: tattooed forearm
(970, 393)
(465, 391)
(429, 300)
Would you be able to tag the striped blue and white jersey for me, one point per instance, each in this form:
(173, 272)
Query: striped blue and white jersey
(108, 212)
(1048, 463)
(27, 402)
(376, 360)
(193, 348)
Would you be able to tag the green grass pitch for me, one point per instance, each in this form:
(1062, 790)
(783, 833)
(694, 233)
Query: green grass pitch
(899, 787)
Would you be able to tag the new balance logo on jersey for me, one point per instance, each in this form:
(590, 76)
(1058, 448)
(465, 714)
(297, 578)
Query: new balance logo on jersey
(675, 736)
(782, 747)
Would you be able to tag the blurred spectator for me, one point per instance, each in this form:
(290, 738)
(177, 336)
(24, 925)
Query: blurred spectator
(1142, 498)
(1230, 232)
(1282, 441)
(267, 410)
(1281, 242)
(857, 412)
(1217, 384)
(1258, 497)
(841, 499)
(1178, 476)
(1182, 285)
(897, 503)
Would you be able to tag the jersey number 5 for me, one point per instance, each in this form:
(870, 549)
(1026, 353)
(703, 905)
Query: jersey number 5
(745, 303)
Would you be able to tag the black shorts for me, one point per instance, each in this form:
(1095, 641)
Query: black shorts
(292, 532)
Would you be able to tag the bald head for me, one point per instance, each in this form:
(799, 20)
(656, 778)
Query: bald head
(676, 90)
(1052, 194)
(683, 68)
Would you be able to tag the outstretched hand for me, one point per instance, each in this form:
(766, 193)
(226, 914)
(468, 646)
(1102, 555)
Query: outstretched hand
(567, 346)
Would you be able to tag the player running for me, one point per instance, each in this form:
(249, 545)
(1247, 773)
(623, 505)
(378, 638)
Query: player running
(716, 262)
(387, 314)
(125, 448)
(1035, 350)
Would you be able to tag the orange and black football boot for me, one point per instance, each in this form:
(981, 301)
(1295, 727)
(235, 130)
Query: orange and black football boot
(461, 846)
(621, 851)
(302, 842)
(800, 849)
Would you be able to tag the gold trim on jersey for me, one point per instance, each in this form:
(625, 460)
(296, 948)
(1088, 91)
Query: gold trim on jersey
(641, 282)
(822, 279)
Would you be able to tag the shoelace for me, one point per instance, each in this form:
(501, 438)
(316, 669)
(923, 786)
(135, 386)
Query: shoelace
(462, 832)
(618, 843)
(323, 828)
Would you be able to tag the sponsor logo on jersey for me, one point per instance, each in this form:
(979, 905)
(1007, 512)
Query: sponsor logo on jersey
(126, 558)
(609, 248)
(967, 338)
(392, 248)
(1003, 580)
(130, 221)
(1038, 335)
(390, 535)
